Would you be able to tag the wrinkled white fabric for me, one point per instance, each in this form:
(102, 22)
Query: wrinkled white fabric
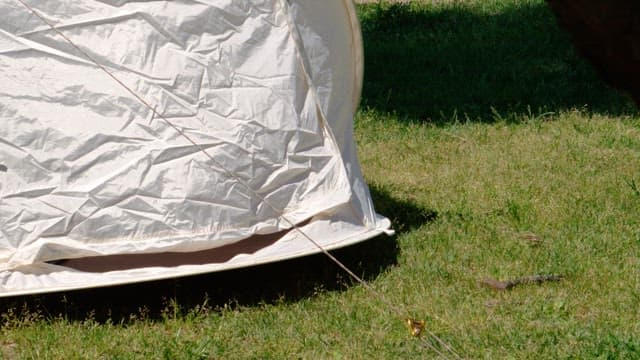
(266, 89)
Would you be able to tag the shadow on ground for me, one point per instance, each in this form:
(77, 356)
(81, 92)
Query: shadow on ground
(441, 64)
(286, 281)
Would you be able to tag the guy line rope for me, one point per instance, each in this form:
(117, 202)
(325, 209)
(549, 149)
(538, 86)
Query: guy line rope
(417, 327)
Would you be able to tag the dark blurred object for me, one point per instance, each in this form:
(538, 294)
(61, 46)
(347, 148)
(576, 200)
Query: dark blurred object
(607, 32)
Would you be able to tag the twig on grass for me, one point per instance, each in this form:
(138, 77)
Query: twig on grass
(509, 284)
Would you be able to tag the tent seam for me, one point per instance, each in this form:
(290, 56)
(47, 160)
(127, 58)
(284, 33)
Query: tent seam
(299, 45)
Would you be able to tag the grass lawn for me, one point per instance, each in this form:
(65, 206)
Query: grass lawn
(495, 150)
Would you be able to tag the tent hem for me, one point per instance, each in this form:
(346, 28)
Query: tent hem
(382, 227)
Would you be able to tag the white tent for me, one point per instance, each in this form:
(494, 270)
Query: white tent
(143, 140)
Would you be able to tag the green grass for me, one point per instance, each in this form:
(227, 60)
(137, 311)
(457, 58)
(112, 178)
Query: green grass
(479, 125)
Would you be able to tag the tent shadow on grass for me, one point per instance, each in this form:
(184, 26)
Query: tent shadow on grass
(442, 64)
(286, 281)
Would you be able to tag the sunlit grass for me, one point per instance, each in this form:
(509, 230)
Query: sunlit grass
(566, 178)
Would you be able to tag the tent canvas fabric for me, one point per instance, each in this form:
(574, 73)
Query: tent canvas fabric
(144, 140)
